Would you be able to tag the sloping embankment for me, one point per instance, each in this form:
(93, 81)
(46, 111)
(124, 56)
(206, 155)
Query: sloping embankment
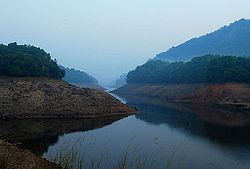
(230, 94)
(12, 157)
(50, 98)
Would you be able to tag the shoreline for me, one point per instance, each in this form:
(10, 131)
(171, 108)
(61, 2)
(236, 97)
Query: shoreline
(13, 157)
(234, 95)
(69, 117)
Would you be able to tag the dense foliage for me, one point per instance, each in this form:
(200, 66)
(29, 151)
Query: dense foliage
(23, 60)
(229, 40)
(78, 77)
(206, 69)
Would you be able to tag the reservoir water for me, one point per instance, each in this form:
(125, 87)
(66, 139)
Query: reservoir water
(157, 136)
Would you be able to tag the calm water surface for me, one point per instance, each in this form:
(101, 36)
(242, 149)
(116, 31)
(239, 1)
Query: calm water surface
(162, 134)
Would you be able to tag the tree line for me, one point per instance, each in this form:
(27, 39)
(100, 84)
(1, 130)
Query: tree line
(25, 60)
(205, 69)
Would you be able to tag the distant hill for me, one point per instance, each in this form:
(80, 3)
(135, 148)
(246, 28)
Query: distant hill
(121, 81)
(228, 40)
(80, 78)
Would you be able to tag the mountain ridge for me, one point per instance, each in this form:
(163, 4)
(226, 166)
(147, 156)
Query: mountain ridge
(232, 39)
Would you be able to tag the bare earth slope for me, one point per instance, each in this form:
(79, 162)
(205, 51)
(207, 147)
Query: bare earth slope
(230, 94)
(12, 157)
(47, 98)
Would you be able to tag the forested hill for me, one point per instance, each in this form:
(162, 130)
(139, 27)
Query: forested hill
(206, 69)
(27, 61)
(78, 77)
(229, 40)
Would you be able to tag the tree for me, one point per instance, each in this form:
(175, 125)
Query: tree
(26, 60)
(206, 69)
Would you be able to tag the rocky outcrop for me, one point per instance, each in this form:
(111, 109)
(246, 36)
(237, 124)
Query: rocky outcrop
(50, 98)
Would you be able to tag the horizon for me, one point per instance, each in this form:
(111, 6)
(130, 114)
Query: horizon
(108, 39)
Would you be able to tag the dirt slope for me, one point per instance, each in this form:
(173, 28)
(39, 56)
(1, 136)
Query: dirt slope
(42, 97)
(232, 94)
(12, 157)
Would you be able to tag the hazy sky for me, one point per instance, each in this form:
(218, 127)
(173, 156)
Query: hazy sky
(109, 37)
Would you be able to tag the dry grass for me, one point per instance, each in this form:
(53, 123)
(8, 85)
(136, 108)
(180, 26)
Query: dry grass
(3, 161)
(129, 159)
(72, 158)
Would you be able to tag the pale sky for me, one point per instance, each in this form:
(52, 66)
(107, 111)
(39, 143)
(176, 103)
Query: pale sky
(107, 38)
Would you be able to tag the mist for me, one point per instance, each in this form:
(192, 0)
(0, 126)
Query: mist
(109, 38)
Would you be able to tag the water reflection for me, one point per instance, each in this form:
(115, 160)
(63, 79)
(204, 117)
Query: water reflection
(38, 134)
(193, 124)
(169, 133)
(214, 114)
(210, 135)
